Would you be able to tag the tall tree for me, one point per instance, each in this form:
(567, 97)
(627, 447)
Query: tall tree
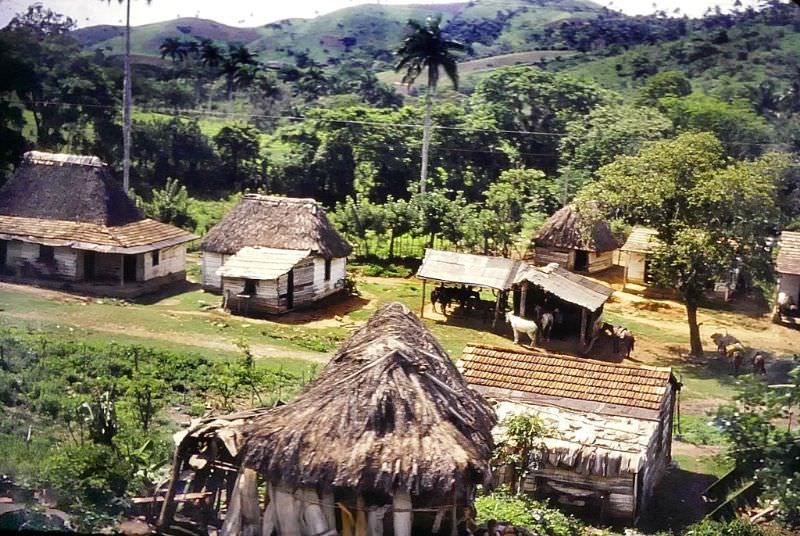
(711, 215)
(426, 48)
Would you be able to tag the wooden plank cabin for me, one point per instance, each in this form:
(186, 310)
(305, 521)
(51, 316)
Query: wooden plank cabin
(640, 243)
(273, 254)
(611, 425)
(787, 266)
(389, 439)
(573, 242)
(65, 222)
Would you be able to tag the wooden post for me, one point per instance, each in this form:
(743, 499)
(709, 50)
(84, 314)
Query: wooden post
(168, 508)
(329, 508)
(233, 516)
(402, 516)
(523, 298)
(122, 270)
(314, 519)
(288, 514)
(422, 307)
(361, 517)
(583, 325)
(454, 527)
(248, 495)
(497, 308)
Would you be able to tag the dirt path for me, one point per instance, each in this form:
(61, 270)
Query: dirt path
(260, 350)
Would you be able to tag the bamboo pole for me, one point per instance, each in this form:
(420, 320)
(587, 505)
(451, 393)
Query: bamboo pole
(361, 517)
(422, 307)
(402, 516)
(233, 516)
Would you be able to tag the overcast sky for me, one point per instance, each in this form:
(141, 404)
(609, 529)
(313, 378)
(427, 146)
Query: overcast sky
(259, 12)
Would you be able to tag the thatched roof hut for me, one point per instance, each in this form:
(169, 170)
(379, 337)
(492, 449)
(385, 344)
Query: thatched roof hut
(574, 241)
(272, 254)
(278, 223)
(65, 221)
(390, 423)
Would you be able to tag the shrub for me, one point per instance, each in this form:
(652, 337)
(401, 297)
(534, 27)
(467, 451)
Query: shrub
(521, 511)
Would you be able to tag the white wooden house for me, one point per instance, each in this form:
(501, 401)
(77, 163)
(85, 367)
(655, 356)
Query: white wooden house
(640, 243)
(65, 222)
(273, 254)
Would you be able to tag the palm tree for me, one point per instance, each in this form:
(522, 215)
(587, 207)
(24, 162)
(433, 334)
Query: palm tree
(126, 100)
(173, 48)
(425, 48)
(210, 53)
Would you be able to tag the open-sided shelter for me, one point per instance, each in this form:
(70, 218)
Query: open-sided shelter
(66, 222)
(640, 243)
(609, 435)
(574, 242)
(787, 266)
(389, 437)
(271, 254)
(579, 299)
(482, 271)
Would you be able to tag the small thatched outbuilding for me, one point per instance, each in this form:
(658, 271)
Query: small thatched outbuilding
(66, 222)
(389, 440)
(787, 266)
(639, 245)
(574, 242)
(272, 254)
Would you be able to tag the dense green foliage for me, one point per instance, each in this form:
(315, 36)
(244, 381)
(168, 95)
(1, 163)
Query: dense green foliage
(94, 414)
(763, 446)
(520, 511)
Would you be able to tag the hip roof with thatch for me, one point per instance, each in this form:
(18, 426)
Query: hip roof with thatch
(390, 411)
(568, 229)
(66, 188)
(73, 201)
(276, 222)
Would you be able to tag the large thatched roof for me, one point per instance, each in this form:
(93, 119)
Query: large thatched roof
(567, 228)
(276, 222)
(66, 188)
(390, 411)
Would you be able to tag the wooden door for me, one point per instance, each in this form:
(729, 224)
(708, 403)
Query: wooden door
(89, 264)
(290, 289)
(581, 261)
(3, 255)
(129, 268)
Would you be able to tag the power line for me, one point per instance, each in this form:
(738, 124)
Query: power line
(173, 112)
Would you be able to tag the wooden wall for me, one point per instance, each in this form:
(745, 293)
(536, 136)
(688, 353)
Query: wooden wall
(634, 267)
(564, 257)
(211, 262)
(324, 288)
(172, 260)
(659, 453)
(22, 260)
(600, 261)
(271, 295)
(790, 284)
(604, 497)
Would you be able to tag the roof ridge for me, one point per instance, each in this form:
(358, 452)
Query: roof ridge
(525, 351)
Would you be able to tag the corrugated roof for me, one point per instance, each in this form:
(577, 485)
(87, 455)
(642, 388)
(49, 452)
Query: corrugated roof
(788, 261)
(641, 240)
(262, 263)
(566, 378)
(136, 237)
(566, 285)
(467, 269)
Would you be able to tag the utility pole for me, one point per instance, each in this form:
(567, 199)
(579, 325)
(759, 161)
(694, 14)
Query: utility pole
(126, 104)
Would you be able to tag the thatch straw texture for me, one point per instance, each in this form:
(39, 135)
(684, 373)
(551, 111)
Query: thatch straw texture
(67, 188)
(390, 412)
(276, 222)
(567, 228)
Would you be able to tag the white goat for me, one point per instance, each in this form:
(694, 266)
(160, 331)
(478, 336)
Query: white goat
(522, 325)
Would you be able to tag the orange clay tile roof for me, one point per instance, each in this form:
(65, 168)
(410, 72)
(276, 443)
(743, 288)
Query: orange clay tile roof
(565, 377)
(142, 235)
